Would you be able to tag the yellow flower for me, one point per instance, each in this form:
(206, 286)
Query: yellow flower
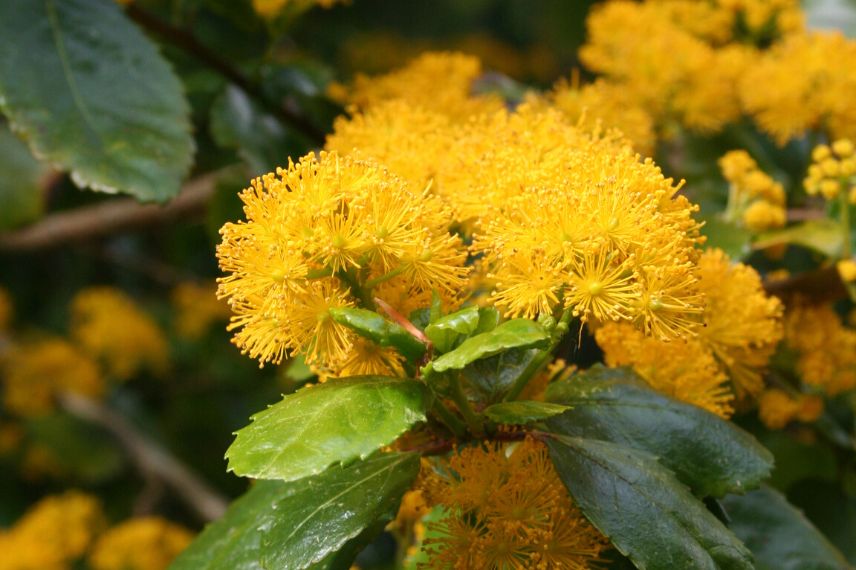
(776, 408)
(36, 372)
(330, 232)
(111, 328)
(743, 324)
(196, 308)
(507, 509)
(682, 369)
(272, 8)
(145, 543)
(829, 174)
(762, 215)
(53, 534)
(826, 348)
(847, 270)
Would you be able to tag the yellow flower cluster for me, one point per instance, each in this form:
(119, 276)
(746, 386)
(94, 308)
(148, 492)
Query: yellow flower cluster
(833, 170)
(109, 326)
(826, 348)
(273, 8)
(507, 508)
(330, 232)
(753, 196)
(196, 308)
(144, 543)
(53, 534)
(723, 21)
(35, 372)
(683, 369)
(814, 84)
(777, 408)
(436, 81)
(742, 326)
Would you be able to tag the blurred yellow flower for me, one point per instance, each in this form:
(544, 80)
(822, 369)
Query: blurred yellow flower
(144, 543)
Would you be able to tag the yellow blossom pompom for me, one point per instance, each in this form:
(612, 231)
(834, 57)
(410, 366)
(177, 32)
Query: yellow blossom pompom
(762, 215)
(197, 308)
(507, 509)
(436, 81)
(110, 327)
(776, 408)
(36, 372)
(273, 8)
(754, 198)
(826, 348)
(743, 324)
(847, 270)
(683, 369)
(330, 232)
(53, 534)
(145, 543)
(832, 170)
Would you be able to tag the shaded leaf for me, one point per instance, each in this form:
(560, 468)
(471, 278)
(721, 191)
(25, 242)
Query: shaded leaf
(336, 506)
(21, 199)
(492, 377)
(711, 455)
(733, 240)
(645, 511)
(523, 411)
(516, 333)
(824, 236)
(380, 331)
(317, 426)
(92, 95)
(445, 331)
(778, 534)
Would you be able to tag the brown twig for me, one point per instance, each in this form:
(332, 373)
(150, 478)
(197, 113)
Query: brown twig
(818, 286)
(152, 460)
(188, 43)
(106, 218)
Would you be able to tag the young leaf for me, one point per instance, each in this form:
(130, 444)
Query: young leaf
(334, 507)
(516, 333)
(92, 95)
(712, 456)
(380, 331)
(644, 510)
(241, 540)
(445, 331)
(778, 534)
(318, 426)
(523, 412)
(823, 236)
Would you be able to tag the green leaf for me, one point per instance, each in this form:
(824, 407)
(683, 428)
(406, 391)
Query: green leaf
(778, 534)
(317, 426)
(380, 331)
(492, 377)
(523, 411)
(488, 319)
(92, 95)
(336, 506)
(711, 455)
(824, 236)
(644, 510)
(364, 497)
(22, 175)
(445, 331)
(732, 239)
(259, 137)
(516, 333)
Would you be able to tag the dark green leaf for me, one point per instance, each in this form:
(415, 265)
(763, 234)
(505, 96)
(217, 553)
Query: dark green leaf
(778, 534)
(259, 137)
(707, 453)
(492, 377)
(824, 236)
(795, 460)
(445, 331)
(523, 412)
(516, 333)
(92, 95)
(334, 507)
(644, 510)
(343, 508)
(380, 331)
(317, 426)
(21, 199)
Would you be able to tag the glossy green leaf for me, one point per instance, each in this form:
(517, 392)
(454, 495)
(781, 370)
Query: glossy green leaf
(21, 175)
(824, 236)
(516, 333)
(260, 139)
(445, 331)
(523, 411)
(489, 319)
(492, 377)
(380, 331)
(318, 426)
(334, 507)
(711, 455)
(778, 534)
(92, 95)
(364, 497)
(648, 514)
